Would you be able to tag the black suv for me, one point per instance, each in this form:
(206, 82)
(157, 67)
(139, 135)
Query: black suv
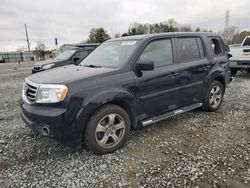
(71, 56)
(126, 83)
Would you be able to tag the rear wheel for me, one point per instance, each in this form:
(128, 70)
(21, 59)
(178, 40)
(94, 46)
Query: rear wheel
(107, 129)
(214, 96)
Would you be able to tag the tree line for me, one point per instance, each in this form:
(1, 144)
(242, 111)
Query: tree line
(231, 34)
(99, 35)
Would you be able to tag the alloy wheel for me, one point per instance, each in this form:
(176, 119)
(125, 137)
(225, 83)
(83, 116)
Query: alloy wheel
(215, 96)
(110, 130)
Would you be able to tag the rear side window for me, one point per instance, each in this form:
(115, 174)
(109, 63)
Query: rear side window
(159, 51)
(216, 46)
(188, 49)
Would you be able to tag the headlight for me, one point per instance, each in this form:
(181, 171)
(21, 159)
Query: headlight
(51, 93)
(49, 66)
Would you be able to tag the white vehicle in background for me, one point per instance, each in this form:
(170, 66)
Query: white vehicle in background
(240, 59)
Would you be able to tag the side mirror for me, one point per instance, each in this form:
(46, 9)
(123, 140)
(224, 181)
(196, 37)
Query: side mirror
(76, 59)
(145, 65)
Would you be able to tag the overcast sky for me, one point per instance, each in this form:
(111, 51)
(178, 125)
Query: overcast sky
(71, 20)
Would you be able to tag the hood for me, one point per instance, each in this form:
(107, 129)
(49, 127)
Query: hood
(46, 62)
(64, 75)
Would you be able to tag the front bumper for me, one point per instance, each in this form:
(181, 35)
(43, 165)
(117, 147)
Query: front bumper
(60, 122)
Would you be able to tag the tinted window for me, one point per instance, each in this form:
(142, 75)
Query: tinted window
(201, 49)
(160, 52)
(112, 54)
(188, 49)
(81, 54)
(215, 44)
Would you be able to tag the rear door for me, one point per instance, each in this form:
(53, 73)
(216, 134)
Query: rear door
(158, 90)
(194, 68)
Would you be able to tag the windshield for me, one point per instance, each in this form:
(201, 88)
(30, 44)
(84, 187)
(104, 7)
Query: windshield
(110, 54)
(246, 42)
(65, 55)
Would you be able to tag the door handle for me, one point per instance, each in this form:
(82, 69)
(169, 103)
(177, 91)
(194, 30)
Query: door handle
(173, 74)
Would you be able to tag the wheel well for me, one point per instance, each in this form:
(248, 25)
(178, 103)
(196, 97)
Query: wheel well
(127, 108)
(222, 81)
(123, 105)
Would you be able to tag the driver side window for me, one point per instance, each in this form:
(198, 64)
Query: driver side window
(159, 51)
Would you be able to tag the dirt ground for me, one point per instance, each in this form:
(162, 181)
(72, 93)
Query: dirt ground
(195, 149)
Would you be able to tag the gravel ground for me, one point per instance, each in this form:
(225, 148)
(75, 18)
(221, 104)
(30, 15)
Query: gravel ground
(195, 149)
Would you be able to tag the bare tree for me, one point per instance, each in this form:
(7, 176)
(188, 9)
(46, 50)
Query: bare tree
(185, 28)
(40, 50)
(229, 33)
(21, 49)
(117, 35)
(138, 29)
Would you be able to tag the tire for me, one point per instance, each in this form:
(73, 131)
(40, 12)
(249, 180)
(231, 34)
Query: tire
(214, 96)
(107, 130)
(233, 72)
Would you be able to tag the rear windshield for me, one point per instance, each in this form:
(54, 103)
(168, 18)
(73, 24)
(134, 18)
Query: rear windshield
(65, 55)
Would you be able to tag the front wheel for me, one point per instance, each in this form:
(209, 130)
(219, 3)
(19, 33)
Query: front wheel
(214, 96)
(107, 129)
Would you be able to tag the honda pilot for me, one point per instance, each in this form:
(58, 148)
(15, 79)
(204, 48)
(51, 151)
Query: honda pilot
(124, 84)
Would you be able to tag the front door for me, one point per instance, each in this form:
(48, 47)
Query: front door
(157, 91)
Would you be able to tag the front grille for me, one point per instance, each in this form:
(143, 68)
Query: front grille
(30, 91)
(244, 63)
(246, 50)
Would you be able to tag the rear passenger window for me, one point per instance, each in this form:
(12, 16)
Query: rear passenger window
(215, 44)
(159, 51)
(188, 49)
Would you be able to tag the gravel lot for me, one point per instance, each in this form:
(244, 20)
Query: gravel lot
(195, 149)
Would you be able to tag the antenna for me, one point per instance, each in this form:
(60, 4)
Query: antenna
(27, 37)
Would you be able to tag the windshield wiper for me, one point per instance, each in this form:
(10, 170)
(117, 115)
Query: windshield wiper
(93, 66)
